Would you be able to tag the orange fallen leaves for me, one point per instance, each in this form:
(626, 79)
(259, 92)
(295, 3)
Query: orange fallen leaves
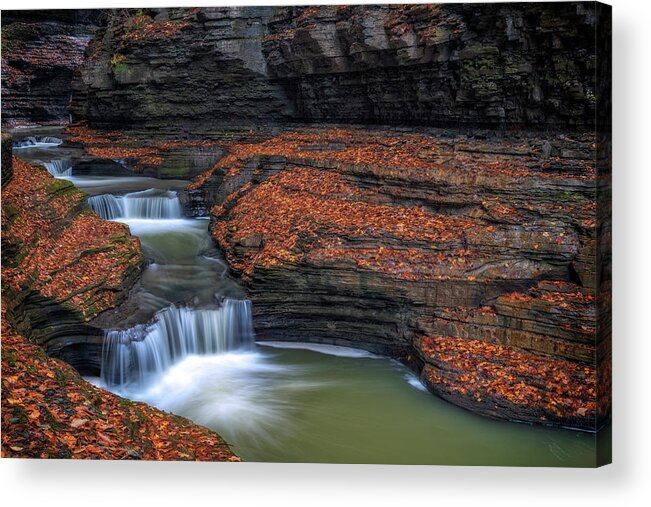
(396, 153)
(564, 299)
(144, 28)
(70, 255)
(58, 250)
(49, 411)
(145, 156)
(294, 210)
(488, 373)
(120, 146)
(26, 52)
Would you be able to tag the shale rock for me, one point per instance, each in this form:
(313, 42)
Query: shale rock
(40, 52)
(445, 64)
(381, 240)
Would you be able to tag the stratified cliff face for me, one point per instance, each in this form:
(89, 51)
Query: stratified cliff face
(179, 67)
(40, 52)
(457, 64)
(478, 256)
(472, 259)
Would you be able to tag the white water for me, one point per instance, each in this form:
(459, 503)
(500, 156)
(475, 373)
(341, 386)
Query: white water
(331, 350)
(36, 142)
(133, 358)
(147, 204)
(415, 382)
(243, 393)
(58, 168)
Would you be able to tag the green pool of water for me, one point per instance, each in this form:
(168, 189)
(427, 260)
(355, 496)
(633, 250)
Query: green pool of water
(301, 405)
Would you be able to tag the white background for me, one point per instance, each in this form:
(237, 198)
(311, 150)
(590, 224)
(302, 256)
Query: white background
(626, 482)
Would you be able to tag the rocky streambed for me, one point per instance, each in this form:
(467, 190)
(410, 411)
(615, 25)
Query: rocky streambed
(62, 267)
(396, 242)
(392, 241)
(328, 279)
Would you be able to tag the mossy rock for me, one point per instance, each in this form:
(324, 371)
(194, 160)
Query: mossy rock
(58, 186)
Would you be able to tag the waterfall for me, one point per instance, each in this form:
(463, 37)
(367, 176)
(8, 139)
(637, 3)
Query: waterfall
(151, 204)
(107, 206)
(132, 356)
(36, 142)
(58, 168)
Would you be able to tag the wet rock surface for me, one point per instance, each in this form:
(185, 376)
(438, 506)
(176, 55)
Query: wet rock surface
(62, 265)
(376, 240)
(49, 411)
(438, 63)
(178, 68)
(444, 248)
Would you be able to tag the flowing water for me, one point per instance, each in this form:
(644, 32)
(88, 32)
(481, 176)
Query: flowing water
(58, 168)
(147, 204)
(36, 142)
(281, 401)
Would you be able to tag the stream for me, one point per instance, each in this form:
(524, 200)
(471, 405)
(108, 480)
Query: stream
(280, 401)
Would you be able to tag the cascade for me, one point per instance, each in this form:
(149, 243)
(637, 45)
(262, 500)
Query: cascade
(36, 142)
(148, 204)
(58, 168)
(106, 205)
(131, 357)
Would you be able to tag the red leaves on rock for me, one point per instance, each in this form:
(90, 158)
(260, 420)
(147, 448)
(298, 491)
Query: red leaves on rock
(489, 373)
(345, 220)
(80, 133)
(26, 51)
(402, 156)
(72, 256)
(295, 210)
(143, 28)
(145, 156)
(49, 411)
(574, 306)
(57, 249)
(119, 146)
(114, 145)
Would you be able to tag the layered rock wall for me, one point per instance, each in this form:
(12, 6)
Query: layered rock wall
(456, 64)
(7, 168)
(452, 64)
(176, 68)
(62, 265)
(481, 257)
(473, 260)
(40, 52)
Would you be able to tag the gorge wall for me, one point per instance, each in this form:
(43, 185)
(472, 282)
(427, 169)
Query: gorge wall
(447, 64)
(40, 52)
(455, 64)
(62, 265)
(473, 260)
